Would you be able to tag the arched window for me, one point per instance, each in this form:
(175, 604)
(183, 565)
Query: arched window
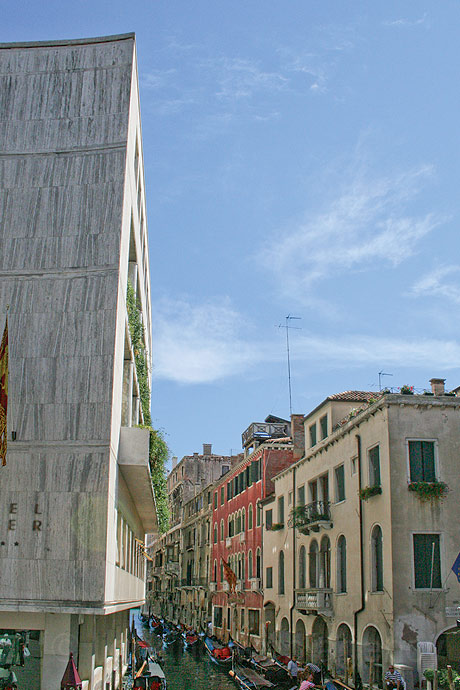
(243, 520)
(302, 568)
(250, 565)
(221, 570)
(239, 567)
(258, 514)
(229, 526)
(372, 651)
(238, 522)
(222, 530)
(258, 563)
(343, 650)
(377, 559)
(215, 533)
(250, 517)
(313, 564)
(325, 563)
(243, 569)
(300, 640)
(281, 573)
(341, 564)
(215, 571)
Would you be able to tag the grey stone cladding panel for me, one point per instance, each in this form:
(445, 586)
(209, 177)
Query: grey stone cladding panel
(55, 295)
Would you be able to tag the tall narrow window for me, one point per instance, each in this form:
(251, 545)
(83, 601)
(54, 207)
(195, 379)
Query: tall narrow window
(268, 519)
(421, 461)
(243, 520)
(215, 533)
(250, 517)
(374, 466)
(281, 510)
(427, 561)
(377, 559)
(323, 426)
(222, 530)
(312, 435)
(341, 564)
(258, 514)
(302, 568)
(258, 563)
(281, 573)
(339, 484)
(313, 564)
(301, 495)
(222, 495)
(250, 564)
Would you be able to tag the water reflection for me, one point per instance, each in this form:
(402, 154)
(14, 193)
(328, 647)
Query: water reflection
(187, 670)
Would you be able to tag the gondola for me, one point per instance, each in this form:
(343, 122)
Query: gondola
(218, 653)
(150, 677)
(248, 679)
(190, 639)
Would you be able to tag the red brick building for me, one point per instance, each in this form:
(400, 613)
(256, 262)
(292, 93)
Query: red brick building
(237, 527)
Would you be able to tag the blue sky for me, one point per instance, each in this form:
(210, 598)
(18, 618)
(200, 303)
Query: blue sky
(301, 158)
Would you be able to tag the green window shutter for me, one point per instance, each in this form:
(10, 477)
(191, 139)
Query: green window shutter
(415, 461)
(429, 474)
(424, 563)
(374, 466)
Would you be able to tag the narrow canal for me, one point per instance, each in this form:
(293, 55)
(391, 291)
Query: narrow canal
(186, 670)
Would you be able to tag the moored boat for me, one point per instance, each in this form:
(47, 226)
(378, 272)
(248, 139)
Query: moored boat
(248, 679)
(218, 653)
(150, 677)
(190, 639)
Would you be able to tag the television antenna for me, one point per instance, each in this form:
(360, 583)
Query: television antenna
(382, 373)
(286, 325)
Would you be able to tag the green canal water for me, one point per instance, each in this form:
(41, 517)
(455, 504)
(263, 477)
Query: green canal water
(187, 670)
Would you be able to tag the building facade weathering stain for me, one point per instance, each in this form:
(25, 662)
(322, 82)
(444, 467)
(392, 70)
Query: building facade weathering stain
(76, 494)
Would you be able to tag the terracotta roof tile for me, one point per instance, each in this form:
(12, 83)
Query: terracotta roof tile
(354, 396)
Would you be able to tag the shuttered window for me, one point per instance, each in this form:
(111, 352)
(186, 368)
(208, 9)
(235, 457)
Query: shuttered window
(374, 466)
(339, 484)
(421, 461)
(427, 561)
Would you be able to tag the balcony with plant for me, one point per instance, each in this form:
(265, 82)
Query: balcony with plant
(311, 517)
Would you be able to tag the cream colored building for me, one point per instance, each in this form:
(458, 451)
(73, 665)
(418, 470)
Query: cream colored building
(361, 570)
(76, 498)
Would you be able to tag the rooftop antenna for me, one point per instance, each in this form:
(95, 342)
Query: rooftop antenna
(382, 373)
(287, 327)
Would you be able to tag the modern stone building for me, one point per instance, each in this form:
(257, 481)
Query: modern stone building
(361, 568)
(76, 499)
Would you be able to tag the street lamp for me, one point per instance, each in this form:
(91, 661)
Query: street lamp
(71, 679)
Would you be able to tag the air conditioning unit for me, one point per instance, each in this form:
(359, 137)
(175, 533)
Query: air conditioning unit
(242, 537)
(426, 658)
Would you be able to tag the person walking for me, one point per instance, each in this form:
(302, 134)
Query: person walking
(293, 669)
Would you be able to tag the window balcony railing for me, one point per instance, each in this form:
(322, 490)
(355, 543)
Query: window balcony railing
(314, 600)
(311, 517)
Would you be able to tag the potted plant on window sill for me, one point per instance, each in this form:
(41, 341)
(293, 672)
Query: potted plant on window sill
(276, 526)
(368, 491)
(429, 491)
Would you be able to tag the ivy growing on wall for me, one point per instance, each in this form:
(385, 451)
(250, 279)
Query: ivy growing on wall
(158, 450)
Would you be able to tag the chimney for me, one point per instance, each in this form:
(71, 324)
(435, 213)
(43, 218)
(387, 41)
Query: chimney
(174, 461)
(207, 448)
(298, 435)
(437, 386)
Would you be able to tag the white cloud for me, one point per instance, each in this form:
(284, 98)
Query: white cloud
(435, 284)
(238, 78)
(402, 22)
(362, 350)
(363, 226)
(201, 343)
(205, 343)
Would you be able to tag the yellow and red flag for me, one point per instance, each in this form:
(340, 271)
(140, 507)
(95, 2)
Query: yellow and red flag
(229, 576)
(3, 392)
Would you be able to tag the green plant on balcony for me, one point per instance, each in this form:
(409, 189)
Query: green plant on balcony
(429, 491)
(276, 526)
(369, 491)
(158, 450)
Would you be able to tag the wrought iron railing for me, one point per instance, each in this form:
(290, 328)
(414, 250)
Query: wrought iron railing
(302, 516)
